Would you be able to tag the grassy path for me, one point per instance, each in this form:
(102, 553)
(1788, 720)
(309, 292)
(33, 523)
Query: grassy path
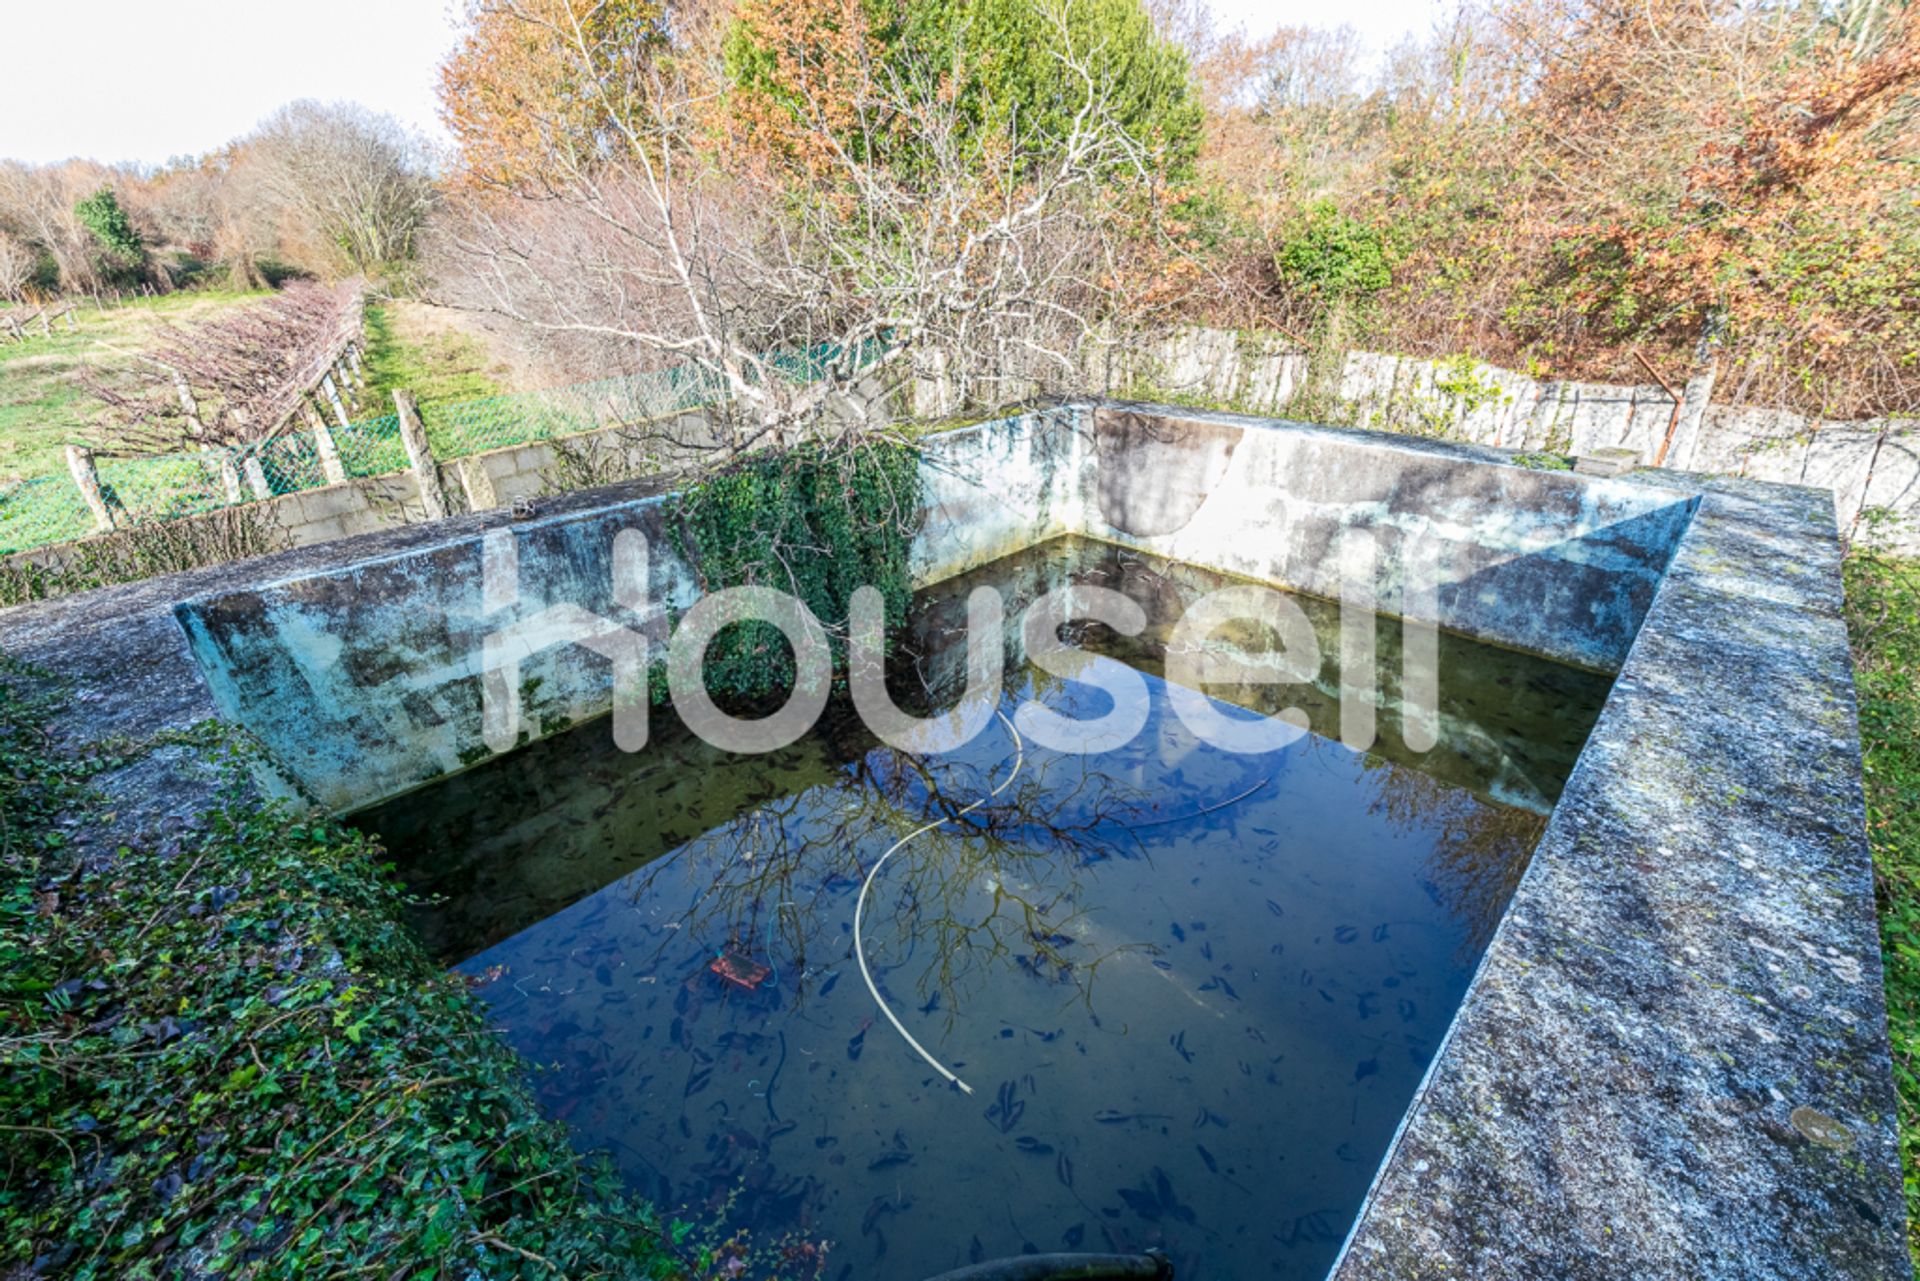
(409, 347)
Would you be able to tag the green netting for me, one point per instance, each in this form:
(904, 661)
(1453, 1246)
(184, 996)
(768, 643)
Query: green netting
(49, 509)
(475, 426)
(808, 364)
(371, 447)
(163, 487)
(46, 509)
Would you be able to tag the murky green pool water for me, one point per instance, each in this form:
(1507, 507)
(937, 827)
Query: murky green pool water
(1193, 991)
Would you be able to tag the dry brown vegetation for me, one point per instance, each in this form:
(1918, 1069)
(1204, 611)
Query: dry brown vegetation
(1572, 186)
(236, 377)
(1574, 183)
(789, 186)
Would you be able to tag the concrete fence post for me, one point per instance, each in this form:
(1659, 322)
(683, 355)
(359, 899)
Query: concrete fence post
(933, 395)
(230, 478)
(1691, 419)
(196, 426)
(257, 477)
(354, 366)
(249, 456)
(332, 394)
(80, 463)
(1693, 414)
(343, 379)
(426, 471)
(331, 467)
(476, 483)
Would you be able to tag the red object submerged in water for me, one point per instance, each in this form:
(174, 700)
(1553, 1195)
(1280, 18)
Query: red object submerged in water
(741, 971)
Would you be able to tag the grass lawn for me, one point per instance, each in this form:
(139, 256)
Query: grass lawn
(1883, 618)
(424, 350)
(42, 404)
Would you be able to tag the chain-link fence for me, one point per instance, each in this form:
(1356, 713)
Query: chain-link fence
(51, 509)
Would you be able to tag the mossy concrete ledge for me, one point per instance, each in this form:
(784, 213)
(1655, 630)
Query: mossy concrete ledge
(1672, 1061)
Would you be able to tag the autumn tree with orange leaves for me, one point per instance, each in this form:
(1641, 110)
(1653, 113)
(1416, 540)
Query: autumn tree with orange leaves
(814, 182)
(1570, 185)
(1567, 185)
(1704, 166)
(535, 87)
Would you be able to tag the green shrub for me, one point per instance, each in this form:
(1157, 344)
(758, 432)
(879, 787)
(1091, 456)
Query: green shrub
(999, 61)
(1334, 257)
(818, 522)
(1883, 623)
(122, 253)
(226, 1056)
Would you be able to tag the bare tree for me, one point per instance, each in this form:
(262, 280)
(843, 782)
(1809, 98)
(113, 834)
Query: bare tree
(357, 183)
(327, 190)
(37, 206)
(16, 267)
(980, 265)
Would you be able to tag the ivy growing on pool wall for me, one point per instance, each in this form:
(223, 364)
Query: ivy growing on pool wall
(224, 1054)
(818, 521)
(227, 1052)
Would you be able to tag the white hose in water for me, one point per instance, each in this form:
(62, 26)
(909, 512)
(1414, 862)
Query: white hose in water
(860, 904)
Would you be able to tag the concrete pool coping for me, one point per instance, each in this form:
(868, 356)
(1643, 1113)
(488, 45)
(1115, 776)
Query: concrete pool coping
(1672, 1060)
(1685, 994)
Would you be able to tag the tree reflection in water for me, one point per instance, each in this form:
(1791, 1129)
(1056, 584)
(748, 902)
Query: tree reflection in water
(1194, 990)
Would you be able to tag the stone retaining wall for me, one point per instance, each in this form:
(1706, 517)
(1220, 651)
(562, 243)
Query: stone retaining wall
(476, 482)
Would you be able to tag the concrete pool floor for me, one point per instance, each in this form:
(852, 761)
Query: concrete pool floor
(1673, 1060)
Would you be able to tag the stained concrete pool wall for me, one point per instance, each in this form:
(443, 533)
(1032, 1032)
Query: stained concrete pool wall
(1673, 1061)
(1539, 560)
(365, 680)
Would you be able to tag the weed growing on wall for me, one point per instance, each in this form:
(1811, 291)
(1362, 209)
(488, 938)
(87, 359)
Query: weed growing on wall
(818, 521)
(143, 551)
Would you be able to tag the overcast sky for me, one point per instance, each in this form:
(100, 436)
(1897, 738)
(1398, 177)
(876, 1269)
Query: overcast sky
(145, 80)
